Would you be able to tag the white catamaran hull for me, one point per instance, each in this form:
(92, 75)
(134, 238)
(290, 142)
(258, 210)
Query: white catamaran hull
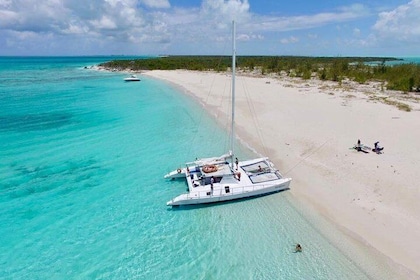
(220, 194)
(244, 179)
(179, 173)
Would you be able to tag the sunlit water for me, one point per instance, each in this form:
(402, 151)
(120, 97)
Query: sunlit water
(82, 194)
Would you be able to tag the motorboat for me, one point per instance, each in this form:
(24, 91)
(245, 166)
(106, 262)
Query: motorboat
(132, 78)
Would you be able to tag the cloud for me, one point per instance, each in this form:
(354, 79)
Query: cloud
(31, 16)
(289, 40)
(312, 36)
(104, 23)
(156, 3)
(402, 23)
(142, 26)
(354, 9)
(229, 8)
(343, 14)
(8, 18)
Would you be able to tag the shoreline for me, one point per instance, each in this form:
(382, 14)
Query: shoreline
(307, 129)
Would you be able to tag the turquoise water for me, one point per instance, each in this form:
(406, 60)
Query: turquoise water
(411, 59)
(82, 194)
(402, 60)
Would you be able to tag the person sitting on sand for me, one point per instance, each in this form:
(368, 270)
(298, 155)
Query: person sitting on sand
(359, 145)
(376, 148)
(298, 248)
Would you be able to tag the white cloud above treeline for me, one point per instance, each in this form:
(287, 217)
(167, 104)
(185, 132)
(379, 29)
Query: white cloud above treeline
(155, 26)
(402, 23)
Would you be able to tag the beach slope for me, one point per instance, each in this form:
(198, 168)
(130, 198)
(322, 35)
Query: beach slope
(308, 129)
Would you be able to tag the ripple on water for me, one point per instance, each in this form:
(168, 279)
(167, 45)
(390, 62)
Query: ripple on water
(33, 122)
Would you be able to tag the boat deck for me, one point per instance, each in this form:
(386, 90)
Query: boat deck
(260, 171)
(249, 178)
(251, 174)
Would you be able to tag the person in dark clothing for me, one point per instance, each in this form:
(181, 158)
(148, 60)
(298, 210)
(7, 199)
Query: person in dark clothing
(377, 149)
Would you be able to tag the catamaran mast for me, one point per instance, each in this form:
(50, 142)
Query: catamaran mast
(233, 87)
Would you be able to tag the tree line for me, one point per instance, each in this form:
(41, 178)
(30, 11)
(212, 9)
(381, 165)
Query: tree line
(404, 77)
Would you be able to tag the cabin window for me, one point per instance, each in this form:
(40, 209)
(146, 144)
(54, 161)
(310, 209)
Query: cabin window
(227, 189)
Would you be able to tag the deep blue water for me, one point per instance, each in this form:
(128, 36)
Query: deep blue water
(82, 194)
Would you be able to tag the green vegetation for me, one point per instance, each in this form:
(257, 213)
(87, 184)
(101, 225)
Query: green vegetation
(401, 106)
(403, 77)
(198, 63)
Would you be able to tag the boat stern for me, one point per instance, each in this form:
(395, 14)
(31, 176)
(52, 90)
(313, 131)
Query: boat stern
(179, 173)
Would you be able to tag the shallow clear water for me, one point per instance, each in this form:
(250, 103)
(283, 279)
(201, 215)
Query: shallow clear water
(82, 193)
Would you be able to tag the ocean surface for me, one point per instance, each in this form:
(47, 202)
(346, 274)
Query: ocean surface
(82, 194)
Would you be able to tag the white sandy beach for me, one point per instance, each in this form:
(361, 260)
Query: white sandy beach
(307, 129)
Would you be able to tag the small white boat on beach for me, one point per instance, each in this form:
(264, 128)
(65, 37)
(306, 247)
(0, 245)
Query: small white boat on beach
(132, 78)
(225, 178)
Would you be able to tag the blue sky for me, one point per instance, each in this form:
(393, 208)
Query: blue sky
(202, 27)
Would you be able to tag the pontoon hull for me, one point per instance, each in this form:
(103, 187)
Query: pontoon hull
(179, 173)
(220, 195)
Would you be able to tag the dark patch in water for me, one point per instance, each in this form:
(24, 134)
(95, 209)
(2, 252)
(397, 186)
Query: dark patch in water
(33, 122)
(29, 214)
(63, 177)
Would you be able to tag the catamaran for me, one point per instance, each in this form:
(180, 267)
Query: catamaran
(224, 178)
